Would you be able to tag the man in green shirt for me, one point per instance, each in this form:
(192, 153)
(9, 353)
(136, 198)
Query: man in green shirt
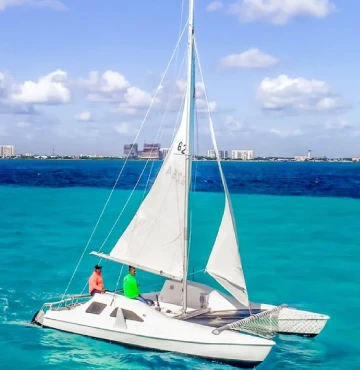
(131, 287)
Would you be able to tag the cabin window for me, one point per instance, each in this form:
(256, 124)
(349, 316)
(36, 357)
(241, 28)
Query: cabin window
(96, 308)
(128, 315)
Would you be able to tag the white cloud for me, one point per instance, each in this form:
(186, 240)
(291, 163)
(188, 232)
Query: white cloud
(5, 88)
(113, 81)
(214, 6)
(49, 89)
(83, 117)
(285, 133)
(252, 58)
(23, 124)
(296, 94)
(53, 4)
(327, 104)
(109, 87)
(125, 129)
(202, 107)
(201, 101)
(113, 87)
(135, 97)
(233, 124)
(280, 11)
(22, 98)
(339, 124)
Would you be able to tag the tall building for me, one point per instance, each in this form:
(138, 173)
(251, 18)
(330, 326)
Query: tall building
(309, 154)
(7, 151)
(242, 154)
(131, 150)
(151, 151)
(164, 152)
(223, 154)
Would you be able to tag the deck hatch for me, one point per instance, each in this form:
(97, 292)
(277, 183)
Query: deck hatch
(96, 308)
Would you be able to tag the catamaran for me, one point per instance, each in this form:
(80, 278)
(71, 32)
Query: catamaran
(188, 318)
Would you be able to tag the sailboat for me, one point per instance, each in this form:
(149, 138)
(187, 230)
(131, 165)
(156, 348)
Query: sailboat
(189, 318)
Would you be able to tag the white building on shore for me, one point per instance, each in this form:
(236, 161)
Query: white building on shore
(223, 154)
(245, 155)
(301, 158)
(7, 151)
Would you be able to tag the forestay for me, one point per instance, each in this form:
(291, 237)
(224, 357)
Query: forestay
(224, 263)
(154, 240)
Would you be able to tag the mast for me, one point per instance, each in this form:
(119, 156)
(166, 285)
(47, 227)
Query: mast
(189, 127)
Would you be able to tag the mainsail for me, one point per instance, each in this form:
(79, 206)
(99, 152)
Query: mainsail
(154, 239)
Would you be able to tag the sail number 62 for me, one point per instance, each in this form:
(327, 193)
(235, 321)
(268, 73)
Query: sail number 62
(181, 147)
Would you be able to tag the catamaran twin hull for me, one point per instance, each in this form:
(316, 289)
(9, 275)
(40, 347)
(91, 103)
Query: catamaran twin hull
(117, 319)
(219, 309)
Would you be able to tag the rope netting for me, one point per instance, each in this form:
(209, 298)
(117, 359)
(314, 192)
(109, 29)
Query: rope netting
(265, 323)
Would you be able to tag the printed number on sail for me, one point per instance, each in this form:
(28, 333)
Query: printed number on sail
(176, 175)
(181, 147)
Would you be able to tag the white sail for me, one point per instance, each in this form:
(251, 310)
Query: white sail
(154, 240)
(224, 263)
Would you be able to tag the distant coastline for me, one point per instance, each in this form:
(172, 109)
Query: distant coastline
(199, 158)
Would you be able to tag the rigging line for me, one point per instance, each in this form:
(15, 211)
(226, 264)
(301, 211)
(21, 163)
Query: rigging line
(175, 68)
(162, 121)
(141, 175)
(182, 101)
(161, 282)
(197, 146)
(181, 20)
(226, 191)
(196, 272)
(122, 169)
(123, 209)
(117, 284)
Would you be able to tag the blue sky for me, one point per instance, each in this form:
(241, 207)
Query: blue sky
(281, 75)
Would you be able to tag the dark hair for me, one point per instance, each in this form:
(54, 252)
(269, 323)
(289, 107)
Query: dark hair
(131, 267)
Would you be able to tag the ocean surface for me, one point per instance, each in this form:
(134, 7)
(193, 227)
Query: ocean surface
(299, 232)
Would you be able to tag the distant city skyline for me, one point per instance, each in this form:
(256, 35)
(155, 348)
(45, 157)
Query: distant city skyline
(155, 151)
(280, 79)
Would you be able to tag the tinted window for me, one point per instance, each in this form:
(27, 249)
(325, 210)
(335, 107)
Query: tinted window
(128, 315)
(96, 308)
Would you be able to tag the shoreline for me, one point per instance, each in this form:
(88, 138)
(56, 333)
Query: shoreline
(280, 160)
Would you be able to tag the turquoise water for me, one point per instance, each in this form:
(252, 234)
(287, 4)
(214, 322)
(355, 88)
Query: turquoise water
(302, 251)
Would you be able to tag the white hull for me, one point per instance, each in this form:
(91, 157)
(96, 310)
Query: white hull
(155, 331)
(224, 309)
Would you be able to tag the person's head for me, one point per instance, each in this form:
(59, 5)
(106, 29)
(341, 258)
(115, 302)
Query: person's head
(97, 269)
(132, 270)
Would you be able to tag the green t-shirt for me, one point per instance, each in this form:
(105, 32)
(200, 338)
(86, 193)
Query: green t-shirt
(130, 287)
